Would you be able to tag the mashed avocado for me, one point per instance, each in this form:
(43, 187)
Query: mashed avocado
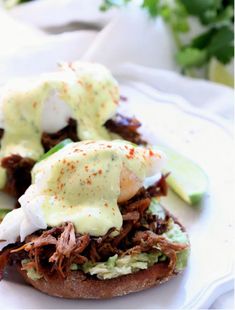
(119, 266)
(175, 234)
(114, 267)
(156, 208)
(31, 272)
(182, 259)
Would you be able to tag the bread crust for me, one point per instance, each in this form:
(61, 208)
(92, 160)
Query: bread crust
(78, 285)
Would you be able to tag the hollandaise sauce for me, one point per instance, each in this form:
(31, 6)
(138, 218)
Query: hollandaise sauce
(81, 183)
(89, 90)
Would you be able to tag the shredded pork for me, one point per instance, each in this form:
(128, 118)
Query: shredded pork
(55, 249)
(126, 127)
(18, 174)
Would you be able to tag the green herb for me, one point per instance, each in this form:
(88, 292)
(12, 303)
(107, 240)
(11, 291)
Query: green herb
(152, 6)
(190, 57)
(210, 11)
(215, 42)
(221, 45)
(107, 4)
(56, 148)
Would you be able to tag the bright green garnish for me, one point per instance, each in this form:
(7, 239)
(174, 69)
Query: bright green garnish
(215, 15)
(117, 266)
(56, 148)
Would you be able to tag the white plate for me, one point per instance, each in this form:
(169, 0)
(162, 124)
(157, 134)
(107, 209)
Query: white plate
(209, 274)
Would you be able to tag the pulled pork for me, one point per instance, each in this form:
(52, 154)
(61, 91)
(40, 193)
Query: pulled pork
(70, 131)
(18, 174)
(19, 169)
(126, 127)
(54, 250)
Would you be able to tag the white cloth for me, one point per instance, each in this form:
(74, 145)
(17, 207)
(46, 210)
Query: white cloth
(128, 42)
(50, 13)
(129, 38)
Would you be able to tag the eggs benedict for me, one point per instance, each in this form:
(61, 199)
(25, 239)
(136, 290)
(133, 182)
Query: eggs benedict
(91, 225)
(78, 102)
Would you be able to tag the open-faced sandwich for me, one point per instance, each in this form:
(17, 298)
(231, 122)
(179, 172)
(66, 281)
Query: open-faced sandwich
(91, 225)
(78, 102)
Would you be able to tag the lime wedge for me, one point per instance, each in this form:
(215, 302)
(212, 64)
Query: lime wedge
(186, 178)
(219, 74)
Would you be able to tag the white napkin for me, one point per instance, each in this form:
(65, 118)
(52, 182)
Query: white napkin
(131, 37)
(14, 35)
(128, 35)
(44, 55)
(51, 13)
(152, 46)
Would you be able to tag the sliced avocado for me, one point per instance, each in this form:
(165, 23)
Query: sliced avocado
(55, 149)
(186, 178)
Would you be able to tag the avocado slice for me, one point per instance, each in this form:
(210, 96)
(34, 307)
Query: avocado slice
(55, 148)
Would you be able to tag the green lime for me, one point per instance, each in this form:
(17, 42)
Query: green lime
(186, 178)
(218, 73)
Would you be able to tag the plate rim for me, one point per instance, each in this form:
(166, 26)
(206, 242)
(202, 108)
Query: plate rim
(181, 103)
(225, 283)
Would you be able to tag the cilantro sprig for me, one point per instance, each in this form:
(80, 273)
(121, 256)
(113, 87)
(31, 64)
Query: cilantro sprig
(217, 17)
